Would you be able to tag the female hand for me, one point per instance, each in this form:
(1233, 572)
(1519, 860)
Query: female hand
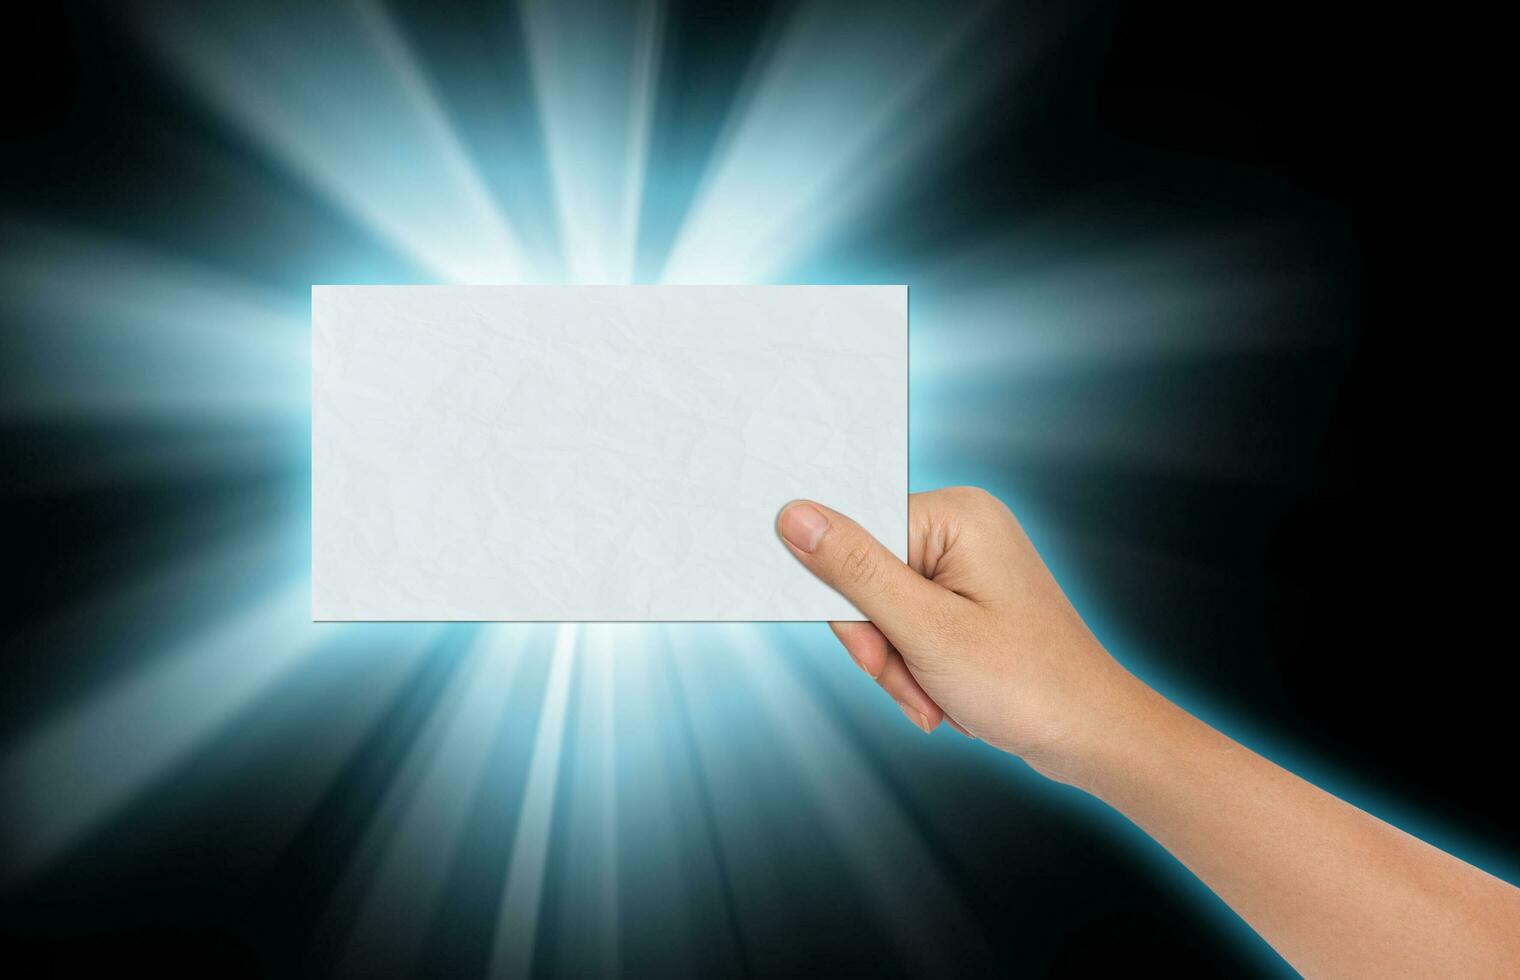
(973, 629)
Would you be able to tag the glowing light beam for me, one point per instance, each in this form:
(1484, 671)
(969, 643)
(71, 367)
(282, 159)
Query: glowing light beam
(517, 926)
(335, 94)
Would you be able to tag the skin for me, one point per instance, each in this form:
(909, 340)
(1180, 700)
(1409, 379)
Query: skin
(975, 632)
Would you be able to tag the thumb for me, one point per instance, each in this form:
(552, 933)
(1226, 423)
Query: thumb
(843, 554)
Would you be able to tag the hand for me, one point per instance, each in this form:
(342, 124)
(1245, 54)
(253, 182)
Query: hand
(973, 630)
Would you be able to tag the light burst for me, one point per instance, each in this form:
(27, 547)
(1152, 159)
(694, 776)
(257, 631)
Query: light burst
(609, 760)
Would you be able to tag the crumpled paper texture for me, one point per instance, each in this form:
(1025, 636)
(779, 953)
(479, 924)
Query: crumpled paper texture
(597, 453)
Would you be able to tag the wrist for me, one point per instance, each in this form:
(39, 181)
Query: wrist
(1122, 720)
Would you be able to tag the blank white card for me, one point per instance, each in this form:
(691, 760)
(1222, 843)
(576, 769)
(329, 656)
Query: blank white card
(597, 453)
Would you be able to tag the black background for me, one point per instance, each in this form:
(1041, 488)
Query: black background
(1359, 610)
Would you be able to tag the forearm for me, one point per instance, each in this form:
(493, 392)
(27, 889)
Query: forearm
(977, 630)
(1334, 890)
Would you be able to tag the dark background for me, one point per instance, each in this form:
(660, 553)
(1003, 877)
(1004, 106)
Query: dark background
(1355, 609)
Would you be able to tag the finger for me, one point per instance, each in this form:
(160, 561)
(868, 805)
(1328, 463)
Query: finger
(874, 655)
(958, 727)
(844, 555)
(865, 645)
(942, 523)
(928, 531)
(900, 686)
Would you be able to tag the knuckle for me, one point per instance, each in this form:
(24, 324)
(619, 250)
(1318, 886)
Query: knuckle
(979, 503)
(858, 567)
(975, 498)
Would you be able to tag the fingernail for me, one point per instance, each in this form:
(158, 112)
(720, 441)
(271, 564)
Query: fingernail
(914, 715)
(802, 525)
(862, 665)
(951, 722)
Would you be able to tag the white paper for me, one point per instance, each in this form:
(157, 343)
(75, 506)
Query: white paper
(597, 453)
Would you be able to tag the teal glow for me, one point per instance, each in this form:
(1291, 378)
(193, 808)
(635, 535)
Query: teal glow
(550, 772)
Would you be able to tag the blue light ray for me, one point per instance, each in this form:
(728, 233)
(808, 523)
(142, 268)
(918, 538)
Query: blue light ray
(594, 69)
(335, 94)
(113, 330)
(517, 927)
(70, 775)
(918, 906)
(792, 168)
(589, 915)
(659, 851)
(421, 823)
(1005, 311)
